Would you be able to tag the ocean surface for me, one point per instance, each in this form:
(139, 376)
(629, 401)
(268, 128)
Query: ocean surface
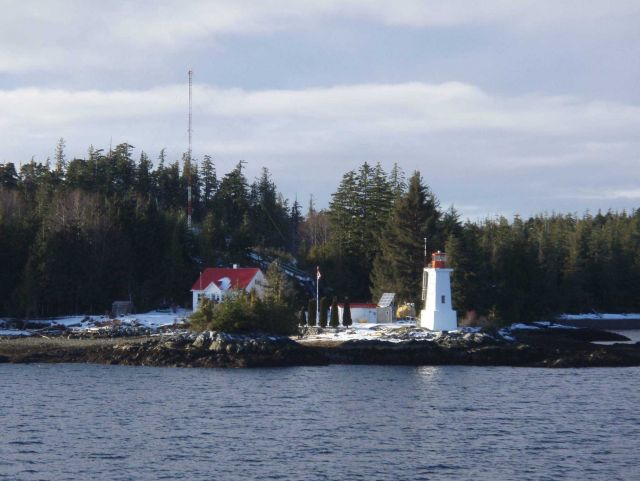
(94, 422)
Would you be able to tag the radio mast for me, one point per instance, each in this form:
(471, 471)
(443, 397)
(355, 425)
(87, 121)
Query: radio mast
(188, 166)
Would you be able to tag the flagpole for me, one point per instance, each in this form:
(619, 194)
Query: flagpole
(318, 294)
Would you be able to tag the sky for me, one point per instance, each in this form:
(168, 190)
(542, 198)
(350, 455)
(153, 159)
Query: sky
(504, 107)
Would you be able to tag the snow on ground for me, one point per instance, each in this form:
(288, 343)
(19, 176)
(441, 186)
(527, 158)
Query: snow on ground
(152, 320)
(403, 331)
(539, 325)
(393, 332)
(14, 332)
(356, 332)
(597, 316)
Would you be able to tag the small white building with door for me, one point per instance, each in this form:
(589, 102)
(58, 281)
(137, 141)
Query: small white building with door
(361, 313)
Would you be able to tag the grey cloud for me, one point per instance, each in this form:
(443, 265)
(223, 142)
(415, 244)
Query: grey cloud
(453, 131)
(44, 35)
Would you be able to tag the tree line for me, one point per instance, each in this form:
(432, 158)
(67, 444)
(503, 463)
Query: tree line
(77, 234)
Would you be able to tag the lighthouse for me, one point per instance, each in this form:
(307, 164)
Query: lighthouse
(437, 314)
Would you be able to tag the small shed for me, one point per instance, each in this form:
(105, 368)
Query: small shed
(121, 308)
(386, 309)
(361, 312)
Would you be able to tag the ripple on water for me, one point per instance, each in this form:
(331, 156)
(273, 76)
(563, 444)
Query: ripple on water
(313, 423)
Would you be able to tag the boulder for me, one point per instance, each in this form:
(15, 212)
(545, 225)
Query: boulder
(202, 341)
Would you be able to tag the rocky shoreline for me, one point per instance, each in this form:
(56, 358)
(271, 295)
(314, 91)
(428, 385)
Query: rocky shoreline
(517, 347)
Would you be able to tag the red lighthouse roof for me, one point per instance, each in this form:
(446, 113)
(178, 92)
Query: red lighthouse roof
(439, 260)
(225, 278)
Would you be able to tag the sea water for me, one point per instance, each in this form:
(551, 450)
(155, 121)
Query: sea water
(76, 422)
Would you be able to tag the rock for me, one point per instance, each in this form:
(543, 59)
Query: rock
(258, 349)
(202, 341)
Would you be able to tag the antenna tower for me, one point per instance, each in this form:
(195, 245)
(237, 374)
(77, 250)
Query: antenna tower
(189, 203)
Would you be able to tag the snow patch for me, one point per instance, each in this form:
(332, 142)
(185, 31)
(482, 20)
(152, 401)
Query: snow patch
(599, 316)
(519, 325)
(390, 332)
(14, 332)
(152, 320)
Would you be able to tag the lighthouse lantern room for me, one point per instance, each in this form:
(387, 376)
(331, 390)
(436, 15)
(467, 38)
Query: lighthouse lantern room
(437, 314)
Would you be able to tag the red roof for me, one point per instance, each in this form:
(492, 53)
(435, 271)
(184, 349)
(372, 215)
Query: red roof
(360, 305)
(238, 278)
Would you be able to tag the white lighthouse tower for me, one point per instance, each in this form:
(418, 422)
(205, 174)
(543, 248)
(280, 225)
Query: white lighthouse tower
(437, 314)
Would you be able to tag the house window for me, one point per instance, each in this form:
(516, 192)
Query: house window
(442, 298)
(200, 297)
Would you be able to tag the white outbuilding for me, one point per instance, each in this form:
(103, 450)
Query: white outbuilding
(361, 313)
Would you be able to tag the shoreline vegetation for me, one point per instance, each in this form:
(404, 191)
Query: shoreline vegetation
(78, 234)
(526, 346)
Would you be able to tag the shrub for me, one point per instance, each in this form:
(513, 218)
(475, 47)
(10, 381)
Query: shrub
(346, 313)
(311, 320)
(302, 317)
(203, 316)
(324, 310)
(241, 312)
(335, 313)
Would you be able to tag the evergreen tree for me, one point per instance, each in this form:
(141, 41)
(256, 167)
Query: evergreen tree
(232, 202)
(61, 159)
(335, 313)
(143, 177)
(302, 316)
(346, 313)
(397, 182)
(399, 266)
(324, 311)
(358, 213)
(295, 221)
(468, 287)
(343, 214)
(312, 311)
(8, 175)
(78, 235)
(212, 240)
(277, 286)
(209, 181)
(123, 171)
(269, 213)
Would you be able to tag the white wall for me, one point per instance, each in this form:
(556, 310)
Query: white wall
(358, 314)
(438, 314)
(212, 291)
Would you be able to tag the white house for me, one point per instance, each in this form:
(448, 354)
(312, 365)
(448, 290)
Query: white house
(216, 282)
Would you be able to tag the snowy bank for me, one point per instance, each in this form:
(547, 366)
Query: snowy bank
(602, 320)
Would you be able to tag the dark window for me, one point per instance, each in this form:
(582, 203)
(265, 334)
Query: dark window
(443, 297)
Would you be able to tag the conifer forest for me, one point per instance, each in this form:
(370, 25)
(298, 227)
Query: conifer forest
(77, 234)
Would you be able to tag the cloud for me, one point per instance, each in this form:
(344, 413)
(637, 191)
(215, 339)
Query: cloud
(607, 193)
(50, 36)
(529, 147)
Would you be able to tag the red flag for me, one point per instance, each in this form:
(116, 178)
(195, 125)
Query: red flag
(318, 275)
